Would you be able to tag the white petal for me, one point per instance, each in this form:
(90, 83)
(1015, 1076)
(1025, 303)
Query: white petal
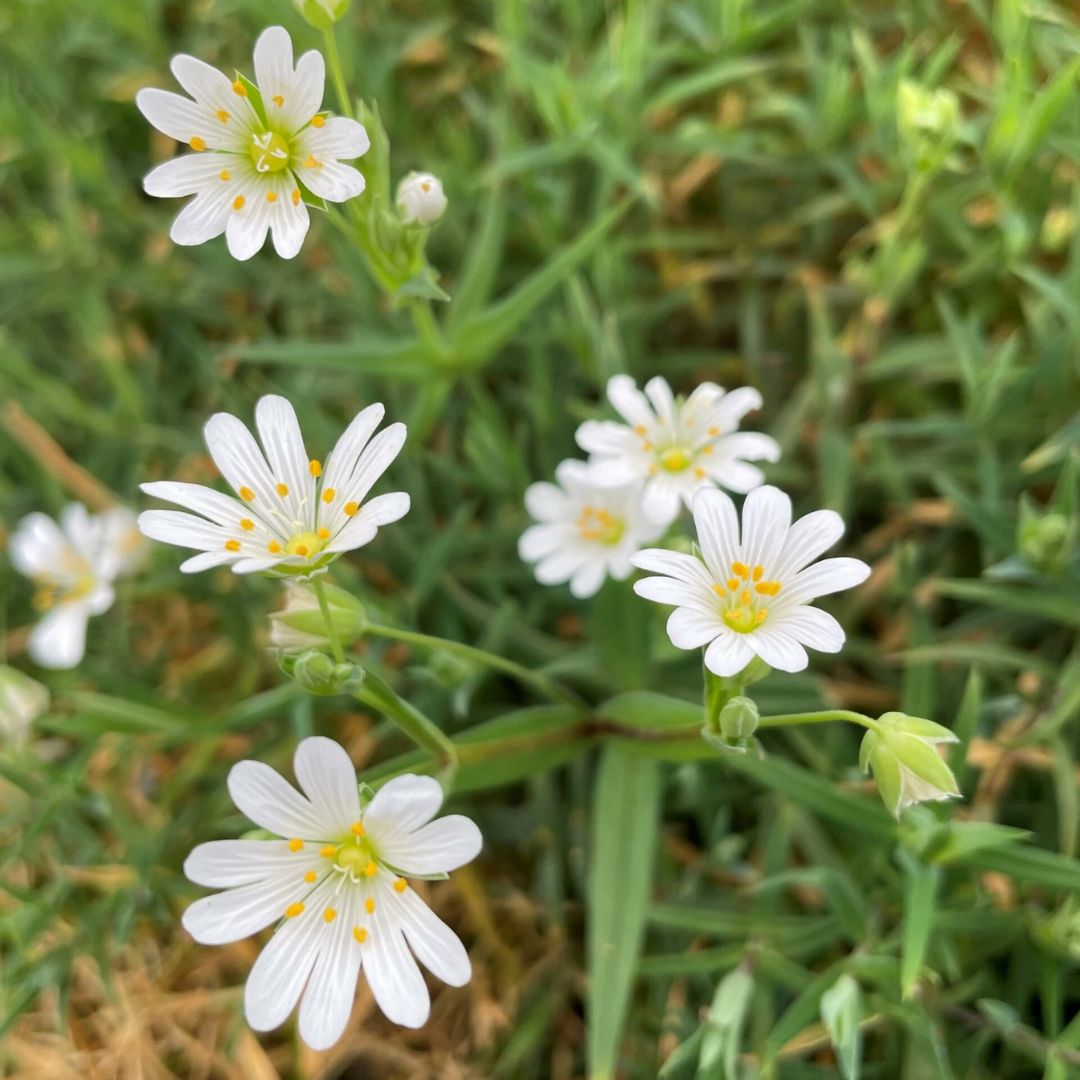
(273, 57)
(219, 508)
(607, 437)
(183, 120)
(331, 180)
(213, 90)
(392, 973)
(433, 943)
(766, 519)
(283, 444)
(435, 848)
(361, 529)
(778, 649)
(327, 775)
(690, 629)
(206, 561)
(734, 475)
(660, 500)
(674, 564)
(587, 579)
(37, 546)
(289, 218)
(331, 990)
(813, 627)
(343, 459)
(728, 654)
(248, 223)
(304, 97)
(539, 541)
(731, 407)
(665, 590)
(270, 801)
(375, 459)
(239, 459)
(808, 538)
(559, 566)
(825, 577)
(632, 468)
(717, 525)
(207, 215)
(220, 864)
(662, 400)
(749, 446)
(59, 640)
(238, 913)
(403, 804)
(187, 174)
(184, 530)
(629, 402)
(339, 139)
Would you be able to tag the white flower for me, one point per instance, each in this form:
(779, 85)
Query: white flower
(750, 595)
(585, 531)
(675, 446)
(22, 701)
(335, 885)
(74, 565)
(902, 754)
(291, 514)
(252, 159)
(420, 199)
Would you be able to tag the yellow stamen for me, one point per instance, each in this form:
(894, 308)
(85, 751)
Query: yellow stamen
(315, 467)
(238, 202)
(197, 143)
(296, 197)
(329, 914)
(767, 588)
(323, 533)
(282, 490)
(271, 196)
(369, 905)
(714, 431)
(640, 430)
(328, 495)
(310, 877)
(699, 472)
(301, 549)
(232, 545)
(318, 121)
(733, 583)
(360, 934)
(225, 174)
(741, 569)
(222, 115)
(329, 851)
(310, 162)
(370, 870)
(707, 449)
(296, 845)
(273, 547)
(247, 494)
(758, 571)
(351, 508)
(746, 597)
(247, 524)
(293, 910)
(278, 100)
(358, 828)
(400, 885)
(239, 88)
(760, 617)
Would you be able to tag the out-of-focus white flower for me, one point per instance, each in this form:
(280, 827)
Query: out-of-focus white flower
(300, 625)
(254, 152)
(420, 199)
(22, 701)
(748, 595)
(902, 754)
(291, 514)
(586, 532)
(73, 564)
(335, 884)
(675, 446)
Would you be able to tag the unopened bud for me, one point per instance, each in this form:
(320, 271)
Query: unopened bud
(322, 14)
(319, 674)
(300, 623)
(420, 199)
(1044, 540)
(902, 754)
(22, 701)
(739, 719)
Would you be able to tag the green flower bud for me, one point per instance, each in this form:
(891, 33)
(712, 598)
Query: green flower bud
(1045, 540)
(922, 112)
(322, 14)
(902, 755)
(300, 624)
(319, 674)
(22, 701)
(739, 720)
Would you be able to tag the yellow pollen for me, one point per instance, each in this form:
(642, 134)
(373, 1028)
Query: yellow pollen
(425, 187)
(247, 494)
(714, 431)
(296, 845)
(329, 851)
(640, 430)
(315, 467)
(197, 143)
(238, 202)
(271, 196)
(351, 508)
(282, 490)
(239, 89)
(225, 174)
(760, 617)
(758, 571)
(301, 549)
(370, 870)
(323, 533)
(358, 828)
(746, 597)
(273, 547)
(296, 197)
(328, 495)
(741, 569)
(310, 162)
(247, 524)
(733, 583)
(232, 545)
(400, 885)
(369, 905)
(360, 934)
(293, 910)
(310, 876)
(222, 115)
(318, 121)
(767, 588)
(278, 100)
(699, 472)
(707, 449)
(329, 914)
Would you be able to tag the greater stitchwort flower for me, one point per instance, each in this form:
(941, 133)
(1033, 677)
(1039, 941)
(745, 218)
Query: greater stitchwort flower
(586, 531)
(748, 595)
(73, 564)
(676, 446)
(902, 754)
(291, 514)
(336, 886)
(420, 199)
(258, 147)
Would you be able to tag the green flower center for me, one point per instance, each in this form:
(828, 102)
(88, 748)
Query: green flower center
(599, 525)
(675, 459)
(307, 544)
(269, 151)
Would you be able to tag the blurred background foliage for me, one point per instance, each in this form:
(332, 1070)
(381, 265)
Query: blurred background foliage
(868, 211)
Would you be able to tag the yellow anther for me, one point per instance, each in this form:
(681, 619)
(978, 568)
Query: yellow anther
(329, 914)
(360, 934)
(274, 547)
(271, 196)
(318, 121)
(654, 469)
(323, 533)
(733, 583)
(767, 588)
(232, 545)
(296, 197)
(646, 445)
(239, 88)
(425, 186)
(370, 870)
(714, 431)
(707, 449)
(296, 844)
(247, 524)
(282, 490)
(222, 115)
(329, 851)
(640, 430)
(358, 828)
(238, 202)
(741, 569)
(310, 877)
(369, 905)
(400, 885)
(745, 598)
(293, 910)
(310, 162)
(760, 617)
(351, 508)
(247, 494)
(315, 467)
(328, 495)
(225, 174)
(758, 571)
(278, 100)
(197, 143)
(699, 472)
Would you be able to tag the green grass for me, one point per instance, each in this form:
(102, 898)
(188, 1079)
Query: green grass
(721, 189)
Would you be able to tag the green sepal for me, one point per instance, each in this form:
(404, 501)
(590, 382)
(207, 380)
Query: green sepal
(866, 750)
(918, 726)
(922, 759)
(886, 770)
(423, 286)
(254, 95)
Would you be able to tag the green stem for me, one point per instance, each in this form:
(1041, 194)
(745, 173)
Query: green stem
(331, 629)
(427, 327)
(336, 75)
(411, 720)
(823, 717)
(538, 682)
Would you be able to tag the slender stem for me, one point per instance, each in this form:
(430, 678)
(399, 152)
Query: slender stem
(334, 60)
(427, 326)
(823, 717)
(411, 720)
(539, 682)
(331, 629)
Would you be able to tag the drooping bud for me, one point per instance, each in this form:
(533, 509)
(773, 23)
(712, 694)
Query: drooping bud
(22, 701)
(318, 673)
(902, 755)
(300, 624)
(420, 199)
(322, 14)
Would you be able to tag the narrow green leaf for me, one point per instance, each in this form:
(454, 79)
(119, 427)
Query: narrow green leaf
(920, 895)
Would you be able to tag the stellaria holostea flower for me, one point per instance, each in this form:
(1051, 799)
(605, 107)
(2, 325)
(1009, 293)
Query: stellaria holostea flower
(22, 701)
(336, 886)
(586, 532)
(254, 154)
(420, 199)
(902, 754)
(676, 446)
(73, 564)
(749, 594)
(291, 514)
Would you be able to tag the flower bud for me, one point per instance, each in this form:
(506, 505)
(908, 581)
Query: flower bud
(300, 624)
(738, 720)
(902, 755)
(1045, 540)
(318, 673)
(22, 701)
(322, 14)
(420, 199)
(927, 112)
